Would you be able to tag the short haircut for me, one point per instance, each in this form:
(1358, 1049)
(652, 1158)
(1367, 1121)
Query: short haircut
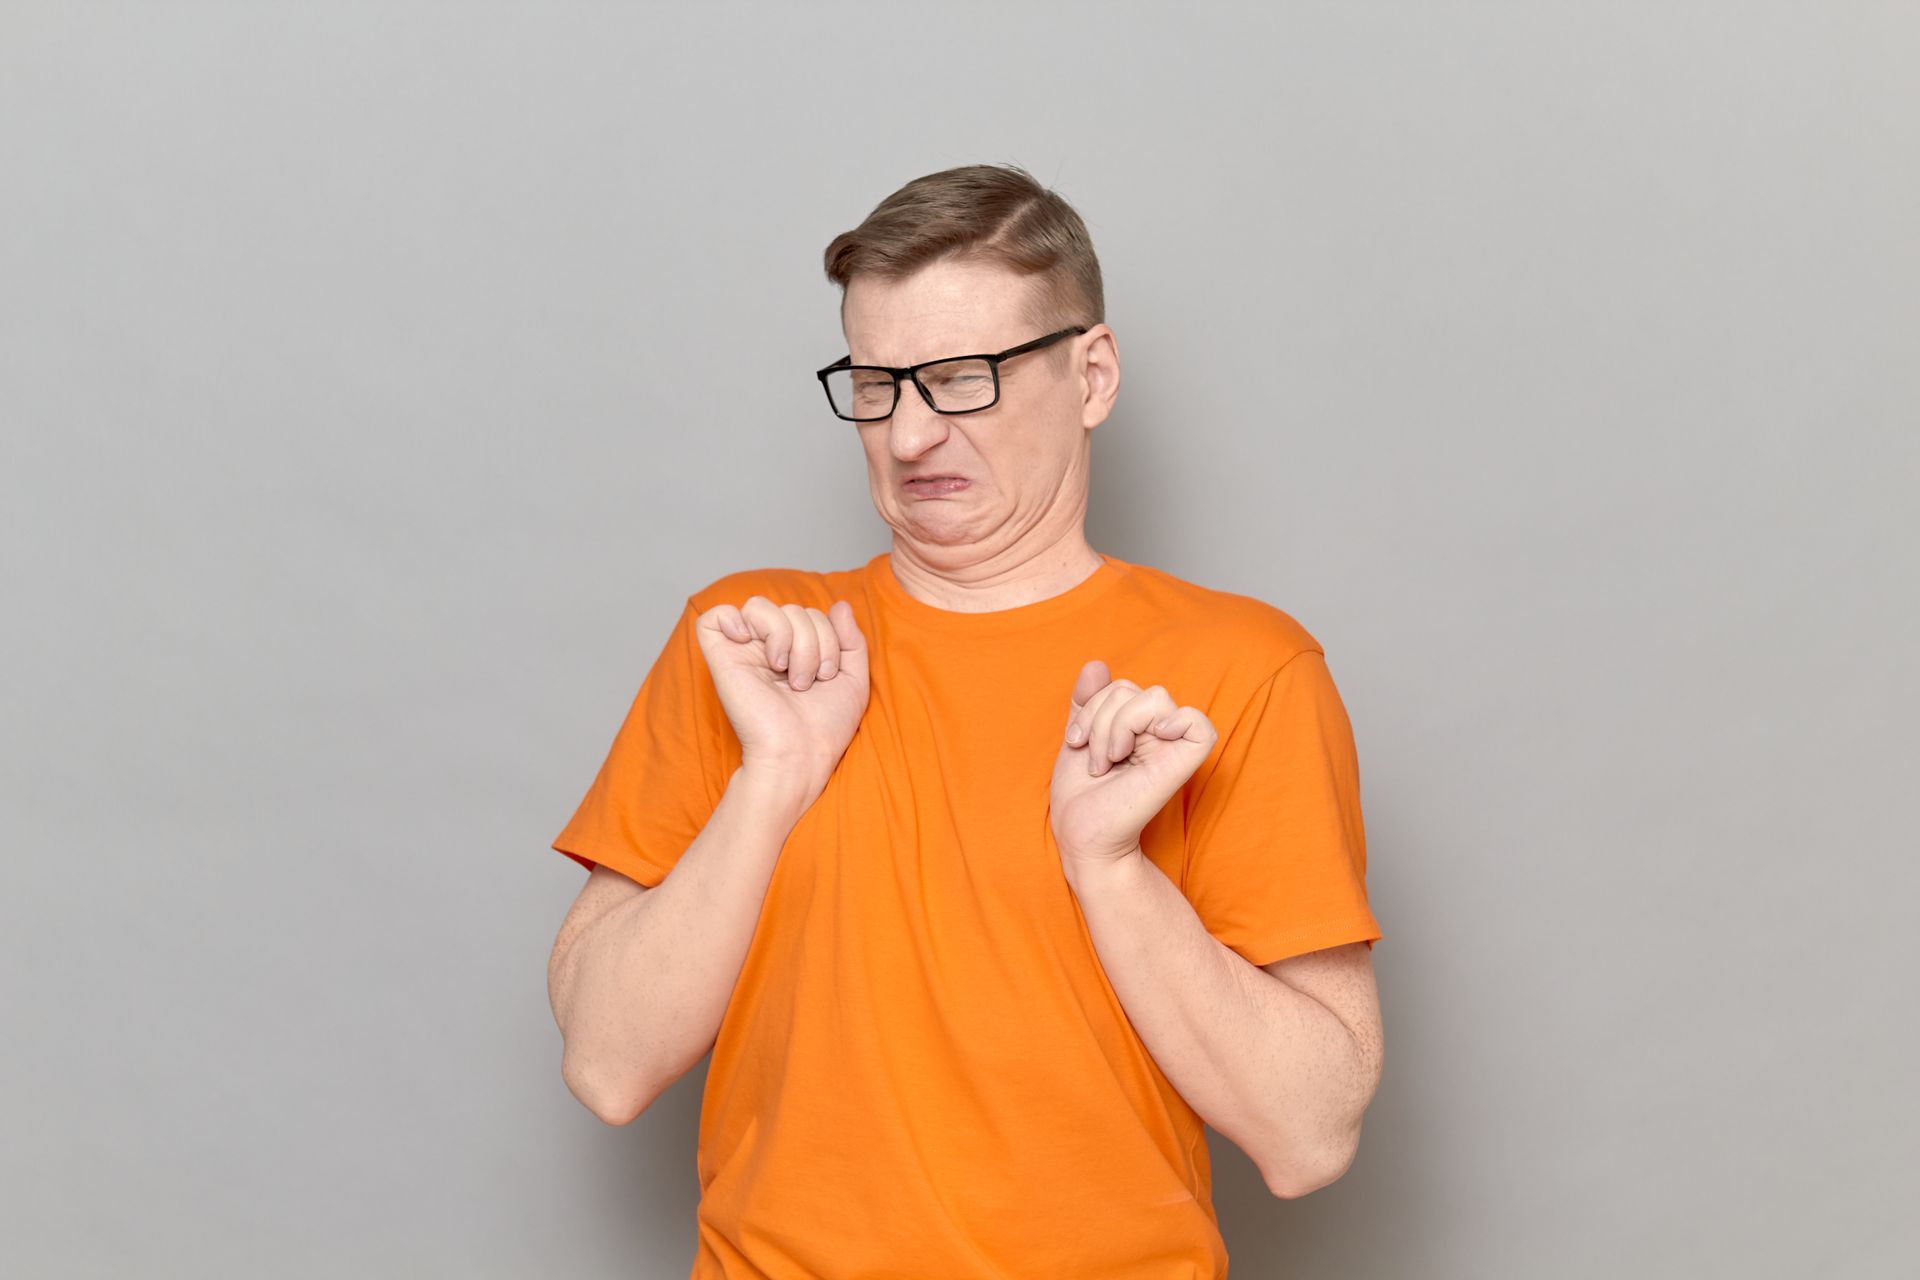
(993, 213)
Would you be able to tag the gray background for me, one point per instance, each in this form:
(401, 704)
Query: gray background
(378, 380)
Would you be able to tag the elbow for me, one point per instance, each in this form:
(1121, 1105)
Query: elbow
(1295, 1185)
(613, 1102)
(1303, 1178)
(1311, 1165)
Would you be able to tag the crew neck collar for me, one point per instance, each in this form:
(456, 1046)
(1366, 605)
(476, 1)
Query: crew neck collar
(995, 621)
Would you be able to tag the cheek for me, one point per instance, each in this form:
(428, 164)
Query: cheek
(1047, 454)
(875, 456)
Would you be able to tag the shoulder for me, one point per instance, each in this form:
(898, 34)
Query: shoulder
(1262, 636)
(812, 587)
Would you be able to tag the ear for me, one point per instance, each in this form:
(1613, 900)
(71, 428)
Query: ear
(1099, 376)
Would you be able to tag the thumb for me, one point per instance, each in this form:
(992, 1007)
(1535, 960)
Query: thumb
(1094, 677)
(853, 645)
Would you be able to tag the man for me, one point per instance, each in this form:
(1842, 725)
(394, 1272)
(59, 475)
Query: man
(990, 870)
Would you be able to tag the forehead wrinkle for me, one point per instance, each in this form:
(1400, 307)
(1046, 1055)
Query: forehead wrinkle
(947, 309)
(901, 336)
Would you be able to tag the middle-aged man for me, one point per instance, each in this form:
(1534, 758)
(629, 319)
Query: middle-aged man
(991, 869)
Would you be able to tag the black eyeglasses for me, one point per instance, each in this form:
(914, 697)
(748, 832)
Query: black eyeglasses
(956, 384)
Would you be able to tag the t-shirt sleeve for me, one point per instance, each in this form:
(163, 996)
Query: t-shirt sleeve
(661, 780)
(1276, 846)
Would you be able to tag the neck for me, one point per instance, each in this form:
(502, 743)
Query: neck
(963, 580)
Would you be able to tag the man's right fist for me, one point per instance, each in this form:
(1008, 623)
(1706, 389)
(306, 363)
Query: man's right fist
(793, 681)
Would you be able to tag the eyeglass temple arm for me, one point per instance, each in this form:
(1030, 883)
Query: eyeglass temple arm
(1042, 341)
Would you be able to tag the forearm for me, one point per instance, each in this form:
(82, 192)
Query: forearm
(641, 993)
(1269, 1067)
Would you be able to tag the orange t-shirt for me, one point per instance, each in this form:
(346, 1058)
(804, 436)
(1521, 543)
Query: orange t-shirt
(923, 1070)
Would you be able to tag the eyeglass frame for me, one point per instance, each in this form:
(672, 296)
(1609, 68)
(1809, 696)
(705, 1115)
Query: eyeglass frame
(912, 372)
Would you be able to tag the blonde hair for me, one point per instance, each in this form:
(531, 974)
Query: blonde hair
(992, 213)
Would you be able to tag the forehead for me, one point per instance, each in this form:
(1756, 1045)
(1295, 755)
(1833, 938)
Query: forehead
(945, 308)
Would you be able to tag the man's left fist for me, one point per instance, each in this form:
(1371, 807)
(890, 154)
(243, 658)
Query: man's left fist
(1125, 751)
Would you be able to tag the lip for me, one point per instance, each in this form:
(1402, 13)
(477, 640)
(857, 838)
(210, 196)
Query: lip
(934, 486)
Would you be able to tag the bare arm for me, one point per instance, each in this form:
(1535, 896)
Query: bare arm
(639, 978)
(1282, 1067)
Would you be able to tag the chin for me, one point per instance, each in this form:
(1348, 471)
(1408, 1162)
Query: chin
(934, 533)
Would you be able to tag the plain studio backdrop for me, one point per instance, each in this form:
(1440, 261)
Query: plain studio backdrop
(378, 380)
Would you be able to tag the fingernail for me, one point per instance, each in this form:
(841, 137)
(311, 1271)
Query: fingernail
(1075, 733)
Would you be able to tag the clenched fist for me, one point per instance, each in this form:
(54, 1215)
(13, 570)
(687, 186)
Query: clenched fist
(1126, 750)
(793, 681)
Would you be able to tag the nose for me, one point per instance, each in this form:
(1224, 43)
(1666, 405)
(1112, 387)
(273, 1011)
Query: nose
(914, 427)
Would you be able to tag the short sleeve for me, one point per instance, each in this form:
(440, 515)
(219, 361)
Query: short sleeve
(1276, 854)
(661, 778)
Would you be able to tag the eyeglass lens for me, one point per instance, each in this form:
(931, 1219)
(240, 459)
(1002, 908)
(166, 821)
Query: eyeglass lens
(955, 385)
